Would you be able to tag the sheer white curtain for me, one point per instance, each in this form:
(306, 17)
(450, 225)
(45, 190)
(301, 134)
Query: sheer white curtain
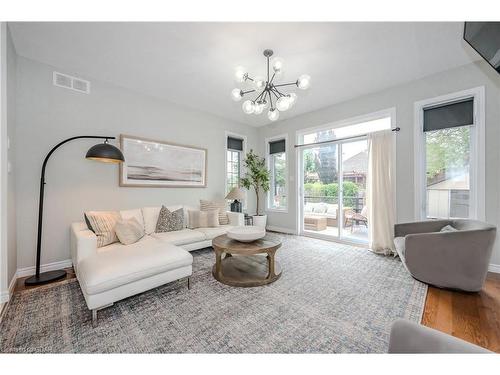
(379, 192)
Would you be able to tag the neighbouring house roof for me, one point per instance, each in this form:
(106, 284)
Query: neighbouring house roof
(357, 163)
(459, 182)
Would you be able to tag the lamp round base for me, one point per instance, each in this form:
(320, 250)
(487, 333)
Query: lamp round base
(45, 277)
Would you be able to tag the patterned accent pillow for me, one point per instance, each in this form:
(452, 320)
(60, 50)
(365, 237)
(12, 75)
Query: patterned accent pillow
(103, 225)
(203, 219)
(219, 205)
(170, 221)
(129, 231)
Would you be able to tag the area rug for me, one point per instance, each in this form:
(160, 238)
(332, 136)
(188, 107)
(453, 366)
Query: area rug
(331, 298)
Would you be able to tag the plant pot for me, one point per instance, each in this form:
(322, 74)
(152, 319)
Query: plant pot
(260, 220)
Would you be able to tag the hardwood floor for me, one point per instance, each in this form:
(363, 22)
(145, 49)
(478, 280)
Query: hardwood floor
(70, 274)
(474, 317)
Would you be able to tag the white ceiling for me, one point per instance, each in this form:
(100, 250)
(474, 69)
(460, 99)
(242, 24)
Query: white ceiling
(192, 64)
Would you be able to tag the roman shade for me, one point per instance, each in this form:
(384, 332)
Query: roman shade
(234, 144)
(449, 115)
(276, 147)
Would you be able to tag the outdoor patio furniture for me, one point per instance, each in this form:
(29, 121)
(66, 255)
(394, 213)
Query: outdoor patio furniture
(328, 210)
(355, 218)
(315, 223)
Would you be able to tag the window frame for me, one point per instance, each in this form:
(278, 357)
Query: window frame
(268, 206)
(477, 152)
(227, 134)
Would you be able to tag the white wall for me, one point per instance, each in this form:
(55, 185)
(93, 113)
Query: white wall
(403, 98)
(47, 114)
(11, 181)
(3, 159)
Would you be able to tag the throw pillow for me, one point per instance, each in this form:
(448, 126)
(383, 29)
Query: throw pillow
(129, 231)
(219, 205)
(203, 219)
(448, 228)
(170, 221)
(103, 225)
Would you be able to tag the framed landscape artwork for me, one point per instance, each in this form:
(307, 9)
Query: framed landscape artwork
(150, 163)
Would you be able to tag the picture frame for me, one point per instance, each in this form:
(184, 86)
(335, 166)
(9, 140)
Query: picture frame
(154, 163)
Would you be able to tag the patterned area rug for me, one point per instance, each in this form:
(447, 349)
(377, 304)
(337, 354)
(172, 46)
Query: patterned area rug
(331, 298)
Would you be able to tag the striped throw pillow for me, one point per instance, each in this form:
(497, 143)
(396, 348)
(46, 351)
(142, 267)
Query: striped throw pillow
(103, 225)
(216, 205)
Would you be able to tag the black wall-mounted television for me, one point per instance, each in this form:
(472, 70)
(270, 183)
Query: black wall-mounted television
(484, 37)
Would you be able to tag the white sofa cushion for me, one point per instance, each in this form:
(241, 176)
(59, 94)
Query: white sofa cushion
(116, 265)
(180, 237)
(136, 214)
(211, 233)
(150, 215)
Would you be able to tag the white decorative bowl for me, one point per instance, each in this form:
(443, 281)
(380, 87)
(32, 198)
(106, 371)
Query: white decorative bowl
(247, 233)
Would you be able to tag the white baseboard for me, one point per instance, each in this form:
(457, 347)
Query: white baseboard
(28, 271)
(280, 229)
(495, 268)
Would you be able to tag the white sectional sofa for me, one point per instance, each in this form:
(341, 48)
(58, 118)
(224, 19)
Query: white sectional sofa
(113, 272)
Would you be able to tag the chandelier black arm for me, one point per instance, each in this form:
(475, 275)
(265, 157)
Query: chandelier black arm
(246, 92)
(272, 78)
(271, 101)
(268, 69)
(287, 84)
(276, 95)
(257, 98)
(278, 91)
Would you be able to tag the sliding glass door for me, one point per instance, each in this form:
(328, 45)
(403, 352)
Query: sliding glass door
(333, 190)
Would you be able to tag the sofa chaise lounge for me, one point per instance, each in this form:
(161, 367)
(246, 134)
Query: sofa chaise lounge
(116, 271)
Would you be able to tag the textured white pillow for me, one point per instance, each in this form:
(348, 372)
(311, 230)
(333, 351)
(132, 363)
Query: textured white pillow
(203, 219)
(103, 225)
(216, 205)
(129, 231)
(448, 228)
(150, 215)
(136, 214)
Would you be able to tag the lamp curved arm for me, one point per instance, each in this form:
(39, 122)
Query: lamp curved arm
(66, 141)
(42, 188)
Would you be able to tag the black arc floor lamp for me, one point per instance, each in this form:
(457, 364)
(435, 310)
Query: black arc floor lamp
(103, 152)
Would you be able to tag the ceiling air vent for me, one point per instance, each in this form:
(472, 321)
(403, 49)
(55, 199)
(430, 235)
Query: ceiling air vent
(72, 83)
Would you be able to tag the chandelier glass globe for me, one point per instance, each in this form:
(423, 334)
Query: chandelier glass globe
(273, 114)
(304, 82)
(259, 83)
(240, 74)
(278, 65)
(236, 95)
(283, 103)
(259, 108)
(248, 107)
(292, 98)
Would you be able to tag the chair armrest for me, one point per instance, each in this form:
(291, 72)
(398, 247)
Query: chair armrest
(83, 243)
(236, 218)
(450, 259)
(428, 226)
(411, 338)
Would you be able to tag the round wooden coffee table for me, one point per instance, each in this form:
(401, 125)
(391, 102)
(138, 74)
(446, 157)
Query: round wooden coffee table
(249, 267)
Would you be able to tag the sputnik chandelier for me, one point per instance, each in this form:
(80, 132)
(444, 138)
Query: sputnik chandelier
(269, 94)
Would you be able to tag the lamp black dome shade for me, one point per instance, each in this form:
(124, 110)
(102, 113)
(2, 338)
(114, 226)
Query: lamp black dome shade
(106, 153)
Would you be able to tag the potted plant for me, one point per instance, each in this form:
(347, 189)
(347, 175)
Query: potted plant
(257, 176)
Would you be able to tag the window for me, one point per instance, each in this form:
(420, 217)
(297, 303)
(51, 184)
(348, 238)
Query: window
(234, 151)
(449, 145)
(277, 196)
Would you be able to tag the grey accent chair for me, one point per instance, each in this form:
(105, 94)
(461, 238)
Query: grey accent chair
(411, 338)
(454, 260)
